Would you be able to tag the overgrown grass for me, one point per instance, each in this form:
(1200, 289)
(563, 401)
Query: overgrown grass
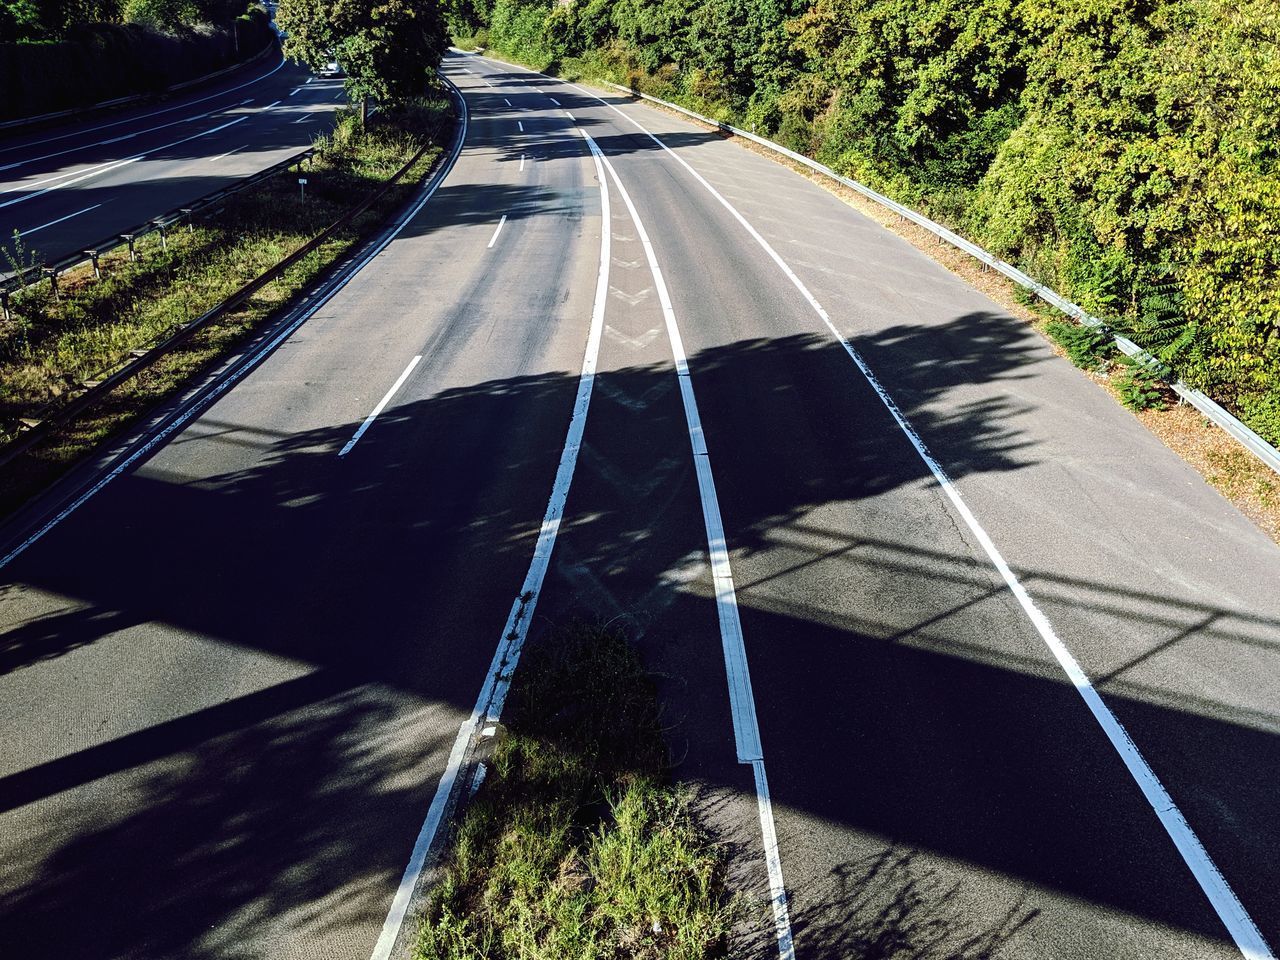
(55, 344)
(576, 847)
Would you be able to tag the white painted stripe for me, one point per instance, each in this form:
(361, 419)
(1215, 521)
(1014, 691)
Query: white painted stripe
(245, 103)
(508, 102)
(156, 113)
(229, 152)
(746, 729)
(497, 681)
(1248, 938)
(303, 118)
(106, 143)
(27, 233)
(270, 105)
(522, 163)
(554, 100)
(494, 238)
(368, 421)
(294, 91)
(203, 401)
(104, 168)
(520, 124)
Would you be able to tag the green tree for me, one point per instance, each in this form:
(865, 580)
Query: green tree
(388, 49)
(19, 20)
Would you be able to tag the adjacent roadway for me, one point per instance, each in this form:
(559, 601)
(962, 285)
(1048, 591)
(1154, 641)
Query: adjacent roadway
(959, 660)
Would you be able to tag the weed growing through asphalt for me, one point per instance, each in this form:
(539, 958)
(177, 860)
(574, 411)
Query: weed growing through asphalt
(576, 847)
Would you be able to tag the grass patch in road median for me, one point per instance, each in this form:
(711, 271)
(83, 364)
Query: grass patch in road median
(576, 846)
(52, 345)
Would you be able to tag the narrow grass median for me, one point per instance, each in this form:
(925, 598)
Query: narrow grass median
(57, 341)
(576, 847)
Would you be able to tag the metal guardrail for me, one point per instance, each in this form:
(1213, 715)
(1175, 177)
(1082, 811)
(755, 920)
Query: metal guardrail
(91, 392)
(1211, 409)
(94, 252)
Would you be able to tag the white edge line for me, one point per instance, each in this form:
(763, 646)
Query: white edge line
(497, 681)
(494, 238)
(156, 113)
(51, 223)
(746, 729)
(202, 401)
(91, 172)
(368, 421)
(1240, 925)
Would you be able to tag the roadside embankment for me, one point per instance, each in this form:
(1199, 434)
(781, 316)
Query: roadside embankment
(60, 341)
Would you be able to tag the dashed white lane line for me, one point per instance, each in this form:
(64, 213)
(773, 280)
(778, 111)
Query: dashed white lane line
(520, 124)
(229, 152)
(270, 105)
(494, 238)
(493, 693)
(80, 176)
(522, 163)
(1240, 925)
(51, 223)
(382, 404)
(554, 100)
(116, 123)
(742, 704)
(294, 91)
(508, 102)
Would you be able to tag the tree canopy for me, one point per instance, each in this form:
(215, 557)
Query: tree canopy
(388, 49)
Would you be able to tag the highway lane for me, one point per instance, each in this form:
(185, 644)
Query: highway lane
(77, 184)
(232, 734)
(237, 725)
(936, 777)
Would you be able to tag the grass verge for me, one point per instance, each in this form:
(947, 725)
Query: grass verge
(575, 846)
(54, 344)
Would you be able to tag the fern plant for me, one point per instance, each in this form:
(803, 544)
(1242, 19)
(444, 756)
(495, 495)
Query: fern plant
(1140, 386)
(1087, 347)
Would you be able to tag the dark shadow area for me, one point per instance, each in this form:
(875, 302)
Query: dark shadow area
(372, 590)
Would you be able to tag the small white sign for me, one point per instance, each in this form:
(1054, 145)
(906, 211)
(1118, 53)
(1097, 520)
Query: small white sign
(303, 181)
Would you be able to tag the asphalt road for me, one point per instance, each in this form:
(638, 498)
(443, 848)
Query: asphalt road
(231, 679)
(66, 187)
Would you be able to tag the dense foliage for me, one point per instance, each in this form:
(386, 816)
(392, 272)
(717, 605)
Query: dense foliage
(1126, 152)
(387, 48)
(59, 54)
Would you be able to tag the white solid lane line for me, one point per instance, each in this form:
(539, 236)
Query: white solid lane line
(494, 238)
(27, 233)
(116, 123)
(203, 401)
(228, 153)
(368, 421)
(1244, 932)
(101, 169)
(507, 655)
(742, 704)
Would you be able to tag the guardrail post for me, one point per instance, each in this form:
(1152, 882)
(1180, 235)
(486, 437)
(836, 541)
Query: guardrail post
(53, 282)
(191, 223)
(164, 240)
(4, 304)
(129, 238)
(97, 269)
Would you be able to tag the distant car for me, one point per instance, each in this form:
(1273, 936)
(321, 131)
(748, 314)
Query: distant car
(331, 69)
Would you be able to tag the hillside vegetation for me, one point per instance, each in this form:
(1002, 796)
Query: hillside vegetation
(58, 54)
(1122, 151)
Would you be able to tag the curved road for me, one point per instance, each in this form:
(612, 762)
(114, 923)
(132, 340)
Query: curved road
(1013, 666)
(66, 187)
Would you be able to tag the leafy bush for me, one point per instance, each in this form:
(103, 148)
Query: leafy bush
(1087, 347)
(1139, 387)
(1128, 153)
